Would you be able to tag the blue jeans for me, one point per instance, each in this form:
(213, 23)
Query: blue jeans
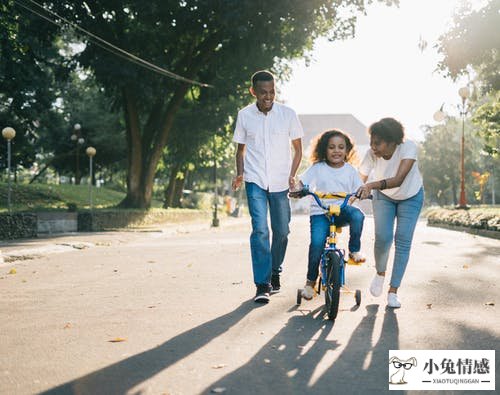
(267, 256)
(405, 212)
(320, 229)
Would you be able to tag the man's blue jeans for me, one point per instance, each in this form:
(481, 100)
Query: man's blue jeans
(320, 229)
(267, 256)
(405, 212)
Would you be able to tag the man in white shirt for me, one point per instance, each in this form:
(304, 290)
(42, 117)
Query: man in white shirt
(263, 133)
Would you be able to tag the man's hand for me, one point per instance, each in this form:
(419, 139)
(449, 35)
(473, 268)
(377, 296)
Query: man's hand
(292, 183)
(237, 181)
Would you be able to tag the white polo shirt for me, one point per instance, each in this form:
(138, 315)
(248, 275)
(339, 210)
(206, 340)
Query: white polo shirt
(267, 138)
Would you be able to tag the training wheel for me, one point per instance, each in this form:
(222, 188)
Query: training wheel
(299, 296)
(357, 296)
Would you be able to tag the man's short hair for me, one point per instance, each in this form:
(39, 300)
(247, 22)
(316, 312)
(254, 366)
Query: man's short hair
(262, 75)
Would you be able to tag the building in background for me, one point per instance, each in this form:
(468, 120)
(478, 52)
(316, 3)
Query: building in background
(315, 124)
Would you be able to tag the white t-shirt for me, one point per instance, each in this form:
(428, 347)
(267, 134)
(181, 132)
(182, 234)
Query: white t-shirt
(380, 169)
(323, 178)
(268, 156)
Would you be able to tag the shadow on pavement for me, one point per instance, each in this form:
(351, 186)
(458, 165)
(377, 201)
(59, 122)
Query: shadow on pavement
(126, 374)
(296, 360)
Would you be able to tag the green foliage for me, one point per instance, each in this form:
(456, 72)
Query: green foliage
(440, 162)
(487, 119)
(30, 69)
(474, 41)
(84, 102)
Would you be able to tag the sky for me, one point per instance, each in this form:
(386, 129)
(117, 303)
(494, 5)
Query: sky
(381, 72)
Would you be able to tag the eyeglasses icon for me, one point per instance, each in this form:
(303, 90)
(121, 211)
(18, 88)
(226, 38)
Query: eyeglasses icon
(406, 365)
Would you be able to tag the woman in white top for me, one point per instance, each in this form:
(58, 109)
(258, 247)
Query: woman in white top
(398, 195)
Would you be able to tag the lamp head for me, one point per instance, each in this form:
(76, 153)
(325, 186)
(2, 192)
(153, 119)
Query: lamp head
(90, 151)
(439, 115)
(464, 93)
(77, 126)
(8, 133)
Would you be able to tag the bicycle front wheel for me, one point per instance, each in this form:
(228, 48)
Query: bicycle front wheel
(332, 291)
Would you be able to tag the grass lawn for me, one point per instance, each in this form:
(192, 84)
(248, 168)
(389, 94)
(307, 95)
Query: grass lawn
(42, 197)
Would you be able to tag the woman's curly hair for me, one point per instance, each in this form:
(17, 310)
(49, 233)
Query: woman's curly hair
(321, 143)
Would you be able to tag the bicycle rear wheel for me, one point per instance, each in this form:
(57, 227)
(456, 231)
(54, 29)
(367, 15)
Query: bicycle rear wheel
(332, 291)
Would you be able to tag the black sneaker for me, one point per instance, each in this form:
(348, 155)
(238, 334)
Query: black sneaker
(262, 294)
(275, 283)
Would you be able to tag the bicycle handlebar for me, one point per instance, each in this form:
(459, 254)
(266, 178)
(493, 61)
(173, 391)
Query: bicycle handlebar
(323, 195)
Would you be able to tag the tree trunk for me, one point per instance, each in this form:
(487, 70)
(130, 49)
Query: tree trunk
(144, 154)
(135, 194)
(169, 191)
(178, 188)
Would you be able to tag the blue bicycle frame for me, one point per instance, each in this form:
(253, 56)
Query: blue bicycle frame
(331, 212)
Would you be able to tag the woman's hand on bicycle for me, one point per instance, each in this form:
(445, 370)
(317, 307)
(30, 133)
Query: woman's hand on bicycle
(364, 192)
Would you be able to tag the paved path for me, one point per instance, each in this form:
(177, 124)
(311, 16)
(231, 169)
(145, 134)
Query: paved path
(181, 302)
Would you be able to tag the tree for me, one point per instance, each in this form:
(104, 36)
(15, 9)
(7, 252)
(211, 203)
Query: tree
(220, 42)
(82, 101)
(474, 41)
(30, 70)
(439, 161)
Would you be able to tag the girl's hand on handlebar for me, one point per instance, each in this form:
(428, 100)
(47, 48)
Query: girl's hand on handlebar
(352, 199)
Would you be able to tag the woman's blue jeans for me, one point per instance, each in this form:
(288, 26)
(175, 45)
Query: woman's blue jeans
(320, 229)
(267, 257)
(385, 212)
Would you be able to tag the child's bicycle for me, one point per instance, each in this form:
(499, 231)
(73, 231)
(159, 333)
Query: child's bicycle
(332, 266)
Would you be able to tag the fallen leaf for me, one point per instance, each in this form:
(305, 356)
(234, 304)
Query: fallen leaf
(12, 271)
(117, 340)
(218, 390)
(67, 326)
(237, 283)
(465, 266)
(190, 265)
(490, 303)
(151, 261)
(267, 360)
(429, 305)
(151, 307)
(219, 366)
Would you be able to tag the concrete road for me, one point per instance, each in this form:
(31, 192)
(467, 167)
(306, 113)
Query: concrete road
(171, 312)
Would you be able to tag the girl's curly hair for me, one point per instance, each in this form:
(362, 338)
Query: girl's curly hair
(321, 143)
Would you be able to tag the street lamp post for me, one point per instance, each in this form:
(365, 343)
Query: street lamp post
(439, 116)
(90, 151)
(79, 140)
(8, 134)
(464, 94)
(215, 220)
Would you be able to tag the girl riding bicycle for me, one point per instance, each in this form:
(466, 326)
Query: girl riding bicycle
(330, 172)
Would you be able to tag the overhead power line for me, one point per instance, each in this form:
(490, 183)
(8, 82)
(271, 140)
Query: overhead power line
(106, 45)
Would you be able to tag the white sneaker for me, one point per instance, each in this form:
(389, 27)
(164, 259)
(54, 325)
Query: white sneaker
(377, 285)
(393, 301)
(357, 257)
(308, 292)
